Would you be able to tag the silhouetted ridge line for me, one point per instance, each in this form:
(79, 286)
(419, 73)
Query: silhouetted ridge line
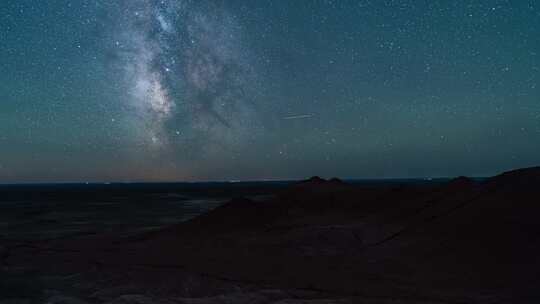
(526, 179)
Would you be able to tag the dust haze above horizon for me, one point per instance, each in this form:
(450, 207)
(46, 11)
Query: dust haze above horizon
(146, 90)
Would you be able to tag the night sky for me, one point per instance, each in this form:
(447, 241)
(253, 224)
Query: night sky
(146, 90)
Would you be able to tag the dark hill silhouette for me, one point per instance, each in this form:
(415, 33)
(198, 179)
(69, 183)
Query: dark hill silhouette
(526, 180)
(459, 242)
(314, 180)
(461, 182)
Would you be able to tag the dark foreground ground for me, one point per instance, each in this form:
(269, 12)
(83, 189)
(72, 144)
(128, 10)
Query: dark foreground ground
(317, 241)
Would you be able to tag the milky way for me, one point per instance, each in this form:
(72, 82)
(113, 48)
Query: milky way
(188, 76)
(176, 90)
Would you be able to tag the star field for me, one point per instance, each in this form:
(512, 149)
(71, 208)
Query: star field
(147, 90)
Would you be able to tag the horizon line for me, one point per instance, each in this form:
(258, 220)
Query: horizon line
(231, 181)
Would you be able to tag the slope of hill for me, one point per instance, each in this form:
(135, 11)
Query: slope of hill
(319, 240)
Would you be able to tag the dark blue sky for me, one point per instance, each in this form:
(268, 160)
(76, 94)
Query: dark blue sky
(207, 90)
